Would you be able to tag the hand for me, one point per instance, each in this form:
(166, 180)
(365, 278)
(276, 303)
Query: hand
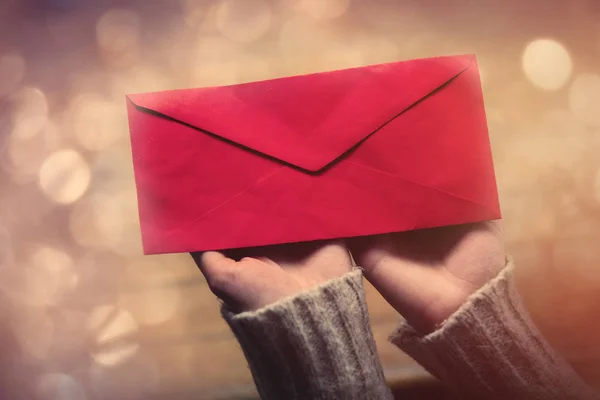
(264, 275)
(427, 275)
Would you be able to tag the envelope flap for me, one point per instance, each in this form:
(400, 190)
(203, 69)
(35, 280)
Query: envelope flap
(310, 120)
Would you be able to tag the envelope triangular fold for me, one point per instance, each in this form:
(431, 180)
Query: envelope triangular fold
(309, 120)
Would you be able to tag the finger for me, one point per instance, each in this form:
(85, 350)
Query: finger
(299, 254)
(367, 250)
(211, 262)
(221, 275)
(238, 254)
(406, 286)
(214, 259)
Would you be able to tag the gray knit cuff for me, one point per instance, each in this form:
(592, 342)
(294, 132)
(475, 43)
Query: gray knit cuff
(489, 348)
(316, 345)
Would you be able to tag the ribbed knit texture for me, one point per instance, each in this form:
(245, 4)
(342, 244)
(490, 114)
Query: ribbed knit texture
(316, 345)
(490, 349)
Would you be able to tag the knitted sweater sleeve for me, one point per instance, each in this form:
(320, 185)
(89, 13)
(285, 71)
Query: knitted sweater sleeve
(490, 349)
(319, 345)
(316, 345)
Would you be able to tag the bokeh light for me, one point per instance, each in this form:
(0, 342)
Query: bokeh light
(547, 64)
(109, 217)
(31, 112)
(148, 302)
(23, 156)
(12, 70)
(47, 277)
(584, 98)
(87, 316)
(84, 225)
(64, 176)
(99, 275)
(113, 329)
(324, 9)
(59, 386)
(96, 122)
(107, 220)
(52, 136)
(152, 307)
(243, 20)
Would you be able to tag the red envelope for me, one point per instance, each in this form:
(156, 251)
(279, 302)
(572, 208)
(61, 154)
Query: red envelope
(361, 151)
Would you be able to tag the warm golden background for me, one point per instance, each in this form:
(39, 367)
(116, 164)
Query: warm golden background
(85, 316)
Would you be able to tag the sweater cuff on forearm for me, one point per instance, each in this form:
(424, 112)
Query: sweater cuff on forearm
(316, 345)
(490, 348)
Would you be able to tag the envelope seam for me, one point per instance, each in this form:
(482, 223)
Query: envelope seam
(418, 184)
(261, 180)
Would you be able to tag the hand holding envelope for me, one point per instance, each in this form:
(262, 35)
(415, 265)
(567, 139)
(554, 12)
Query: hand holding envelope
(250, 279)
(357, 154)
(426, 275)
(365, 151)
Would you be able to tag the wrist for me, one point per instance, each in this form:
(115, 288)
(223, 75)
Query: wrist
(284, 289)
(434, 316)
(447, 303)
(306, 346)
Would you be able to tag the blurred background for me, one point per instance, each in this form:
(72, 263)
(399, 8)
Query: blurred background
(83, 315)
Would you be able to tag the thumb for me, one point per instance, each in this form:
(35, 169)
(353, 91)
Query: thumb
(209, 262)
(221, 274)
